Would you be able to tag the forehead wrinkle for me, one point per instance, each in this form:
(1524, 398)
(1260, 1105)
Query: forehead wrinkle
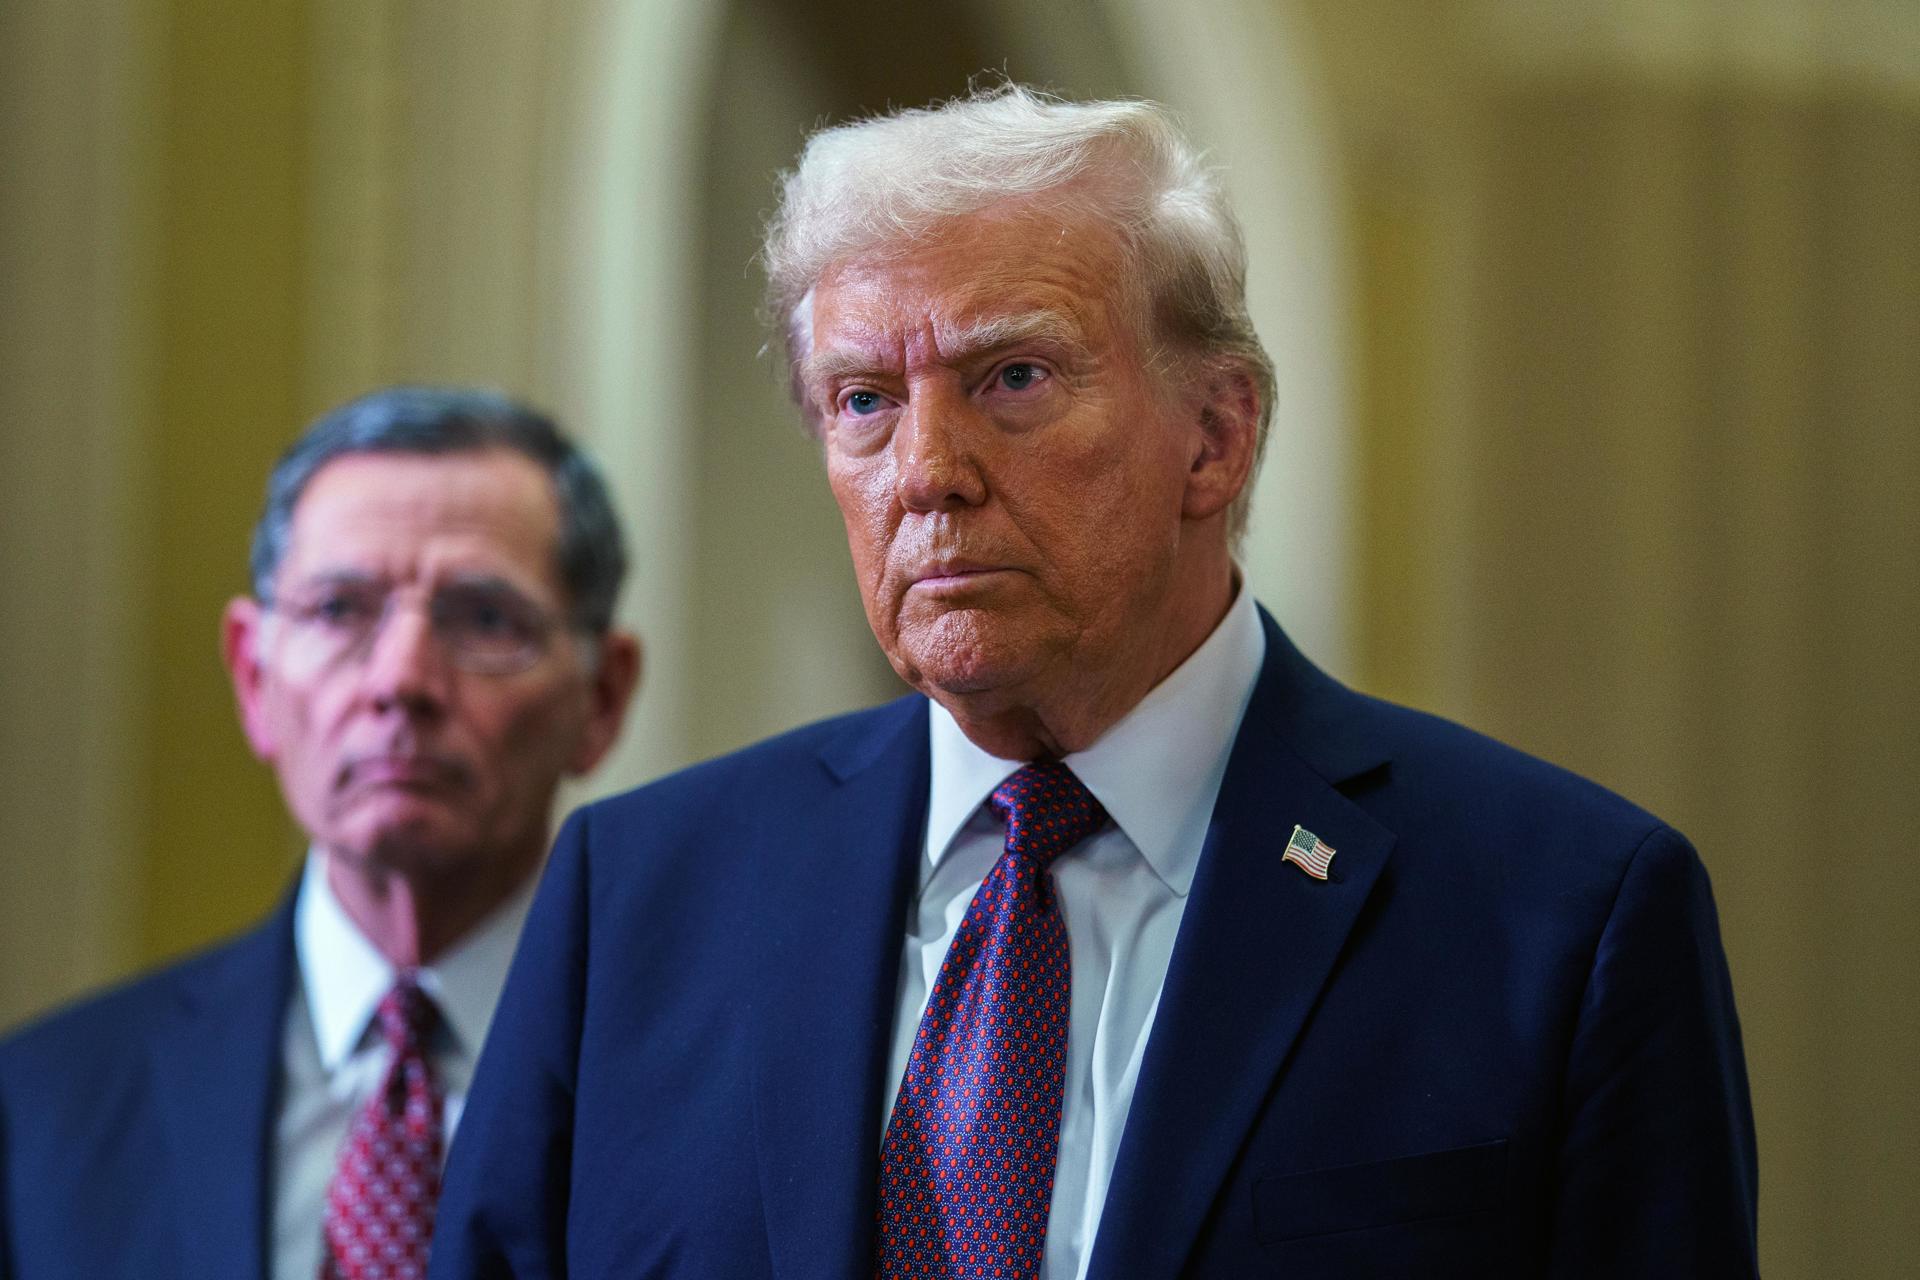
(330, 574)
(463, 554)
(839, 362)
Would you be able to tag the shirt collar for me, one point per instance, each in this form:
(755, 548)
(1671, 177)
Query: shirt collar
(1157, 771)
(345, 976)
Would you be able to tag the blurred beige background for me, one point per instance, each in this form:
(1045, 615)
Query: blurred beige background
(1598, 325)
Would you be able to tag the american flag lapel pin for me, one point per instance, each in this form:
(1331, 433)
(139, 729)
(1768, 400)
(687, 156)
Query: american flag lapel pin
(1309, 852)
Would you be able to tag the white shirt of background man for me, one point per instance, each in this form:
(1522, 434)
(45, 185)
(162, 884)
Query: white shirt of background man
(334, 1057)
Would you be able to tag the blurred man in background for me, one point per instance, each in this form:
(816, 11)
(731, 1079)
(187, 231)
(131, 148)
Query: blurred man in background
(1131, 946)
(428, 651)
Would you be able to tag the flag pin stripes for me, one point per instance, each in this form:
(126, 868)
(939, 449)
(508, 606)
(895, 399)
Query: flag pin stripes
(1309, 852)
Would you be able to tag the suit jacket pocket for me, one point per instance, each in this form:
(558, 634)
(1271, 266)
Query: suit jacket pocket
(1382, 1193)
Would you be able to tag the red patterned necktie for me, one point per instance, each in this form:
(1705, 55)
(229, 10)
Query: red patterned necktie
(966, 1172)
(379, 1217)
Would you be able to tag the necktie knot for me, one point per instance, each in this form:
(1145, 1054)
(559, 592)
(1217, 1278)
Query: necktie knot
(406, 1016)
(1047, 810)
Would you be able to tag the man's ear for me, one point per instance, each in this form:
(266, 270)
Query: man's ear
(1226, 435)
(240, 627)
(609, 693)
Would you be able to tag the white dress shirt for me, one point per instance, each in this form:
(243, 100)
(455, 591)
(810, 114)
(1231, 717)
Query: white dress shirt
(1122, 892)
(334, 1056)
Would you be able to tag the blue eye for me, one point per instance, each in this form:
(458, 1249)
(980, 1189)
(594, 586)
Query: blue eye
(1018, 377)
(339, 609)
(477, 618)
(862, 403)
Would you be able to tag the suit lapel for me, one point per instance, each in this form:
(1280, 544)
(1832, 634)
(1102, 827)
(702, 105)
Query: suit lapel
(1258, 940)
(838, 893)
(217, 1072)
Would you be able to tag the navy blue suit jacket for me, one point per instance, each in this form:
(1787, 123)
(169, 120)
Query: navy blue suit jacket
(1499, 1041)
(136, 1129)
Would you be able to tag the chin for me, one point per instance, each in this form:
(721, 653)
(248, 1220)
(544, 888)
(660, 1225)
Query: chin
(965, 662)
(415, 843)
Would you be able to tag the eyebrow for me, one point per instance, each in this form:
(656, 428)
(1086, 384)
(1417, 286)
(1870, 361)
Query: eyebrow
(959, 342)
(469, 580)
(330, 577)
(994, 332)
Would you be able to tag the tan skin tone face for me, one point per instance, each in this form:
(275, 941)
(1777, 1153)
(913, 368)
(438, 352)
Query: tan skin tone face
(1038, 527)
(428, 787)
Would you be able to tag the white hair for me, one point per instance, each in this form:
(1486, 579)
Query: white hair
(882, 185)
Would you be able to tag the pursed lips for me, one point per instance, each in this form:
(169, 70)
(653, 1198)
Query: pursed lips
(950, 575)
(408, 770)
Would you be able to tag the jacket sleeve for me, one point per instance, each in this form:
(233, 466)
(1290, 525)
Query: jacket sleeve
(503, 1209)
(1657, 1172)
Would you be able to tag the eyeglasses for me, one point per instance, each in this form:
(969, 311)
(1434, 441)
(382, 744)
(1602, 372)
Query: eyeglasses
(483, 627)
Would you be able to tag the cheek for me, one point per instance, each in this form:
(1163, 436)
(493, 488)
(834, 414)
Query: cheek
(1107, 519)
(532, 737)
(303, 759)
(865, 498)
(293, 715)
(515, 731)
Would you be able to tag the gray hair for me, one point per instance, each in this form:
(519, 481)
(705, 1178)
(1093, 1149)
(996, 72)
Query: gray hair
(886, 183)
(591, 556)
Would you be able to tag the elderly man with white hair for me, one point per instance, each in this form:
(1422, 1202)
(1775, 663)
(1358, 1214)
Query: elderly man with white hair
(1130, 944)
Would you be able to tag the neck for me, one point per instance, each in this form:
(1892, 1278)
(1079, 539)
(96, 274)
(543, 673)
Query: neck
(1072, 713)
(416, 915)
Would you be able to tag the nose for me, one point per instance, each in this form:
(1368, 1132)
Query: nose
(405, 669)
(936, 466)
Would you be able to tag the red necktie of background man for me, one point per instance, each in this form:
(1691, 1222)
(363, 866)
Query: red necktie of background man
(379, 1216)
(966, 1172)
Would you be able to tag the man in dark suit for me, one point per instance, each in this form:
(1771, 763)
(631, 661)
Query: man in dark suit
(428, 650)
(1131, 946)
